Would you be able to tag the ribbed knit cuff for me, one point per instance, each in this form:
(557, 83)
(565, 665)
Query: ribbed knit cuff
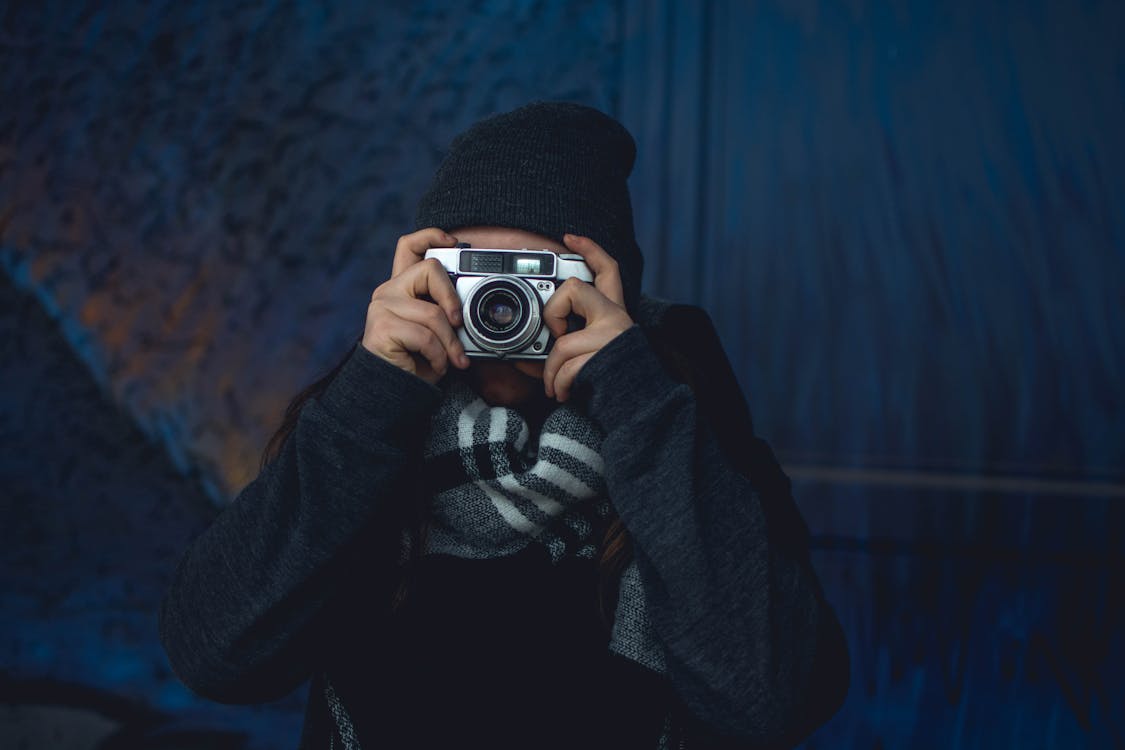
(621, 380)
(379, 402)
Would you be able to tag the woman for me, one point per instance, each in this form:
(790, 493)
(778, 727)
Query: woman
(587, 551)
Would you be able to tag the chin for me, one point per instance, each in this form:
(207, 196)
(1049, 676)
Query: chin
(495, 396)
(501, 384)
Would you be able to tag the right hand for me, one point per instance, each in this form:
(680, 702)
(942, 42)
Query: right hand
(408, 331)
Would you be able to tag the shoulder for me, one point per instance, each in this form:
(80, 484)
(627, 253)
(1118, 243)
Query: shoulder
(687, 343)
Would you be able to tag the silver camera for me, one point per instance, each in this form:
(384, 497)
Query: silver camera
(502, 295)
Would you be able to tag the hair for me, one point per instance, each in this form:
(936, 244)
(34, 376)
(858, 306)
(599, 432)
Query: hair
(614, 554)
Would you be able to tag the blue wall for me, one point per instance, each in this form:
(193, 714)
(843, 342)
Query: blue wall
(905, 219)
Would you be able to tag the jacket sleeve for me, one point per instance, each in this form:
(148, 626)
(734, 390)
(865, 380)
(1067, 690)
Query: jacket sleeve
(753, 650)
(239, 620)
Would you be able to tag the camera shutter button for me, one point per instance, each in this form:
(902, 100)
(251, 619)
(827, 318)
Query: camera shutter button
(570, 256)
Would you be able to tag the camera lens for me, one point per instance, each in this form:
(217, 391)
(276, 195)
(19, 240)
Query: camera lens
(502, 314)
(499, 311)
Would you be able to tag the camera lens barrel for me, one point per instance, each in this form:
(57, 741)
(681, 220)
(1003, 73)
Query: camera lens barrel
(499, 311)
(502, 314)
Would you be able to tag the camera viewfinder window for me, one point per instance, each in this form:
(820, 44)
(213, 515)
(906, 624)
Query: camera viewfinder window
(529, 265)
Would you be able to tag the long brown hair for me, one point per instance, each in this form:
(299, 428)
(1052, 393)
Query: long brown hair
(614, 553)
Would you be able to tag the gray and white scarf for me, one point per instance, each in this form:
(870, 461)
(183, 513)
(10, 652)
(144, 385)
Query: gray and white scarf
(496, 488)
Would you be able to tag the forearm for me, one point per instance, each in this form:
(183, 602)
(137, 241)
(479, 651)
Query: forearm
(238, 621)
(733, 598)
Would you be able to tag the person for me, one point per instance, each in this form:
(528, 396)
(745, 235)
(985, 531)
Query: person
(592, 550)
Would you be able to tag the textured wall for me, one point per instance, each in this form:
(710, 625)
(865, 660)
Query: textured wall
(906, 221)
(94, 516)
(201, 197)
(205, 195)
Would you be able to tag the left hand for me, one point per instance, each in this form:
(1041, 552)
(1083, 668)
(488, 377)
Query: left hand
(601, 304)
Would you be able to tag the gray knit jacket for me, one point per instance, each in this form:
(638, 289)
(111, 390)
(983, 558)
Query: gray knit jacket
(754, 651)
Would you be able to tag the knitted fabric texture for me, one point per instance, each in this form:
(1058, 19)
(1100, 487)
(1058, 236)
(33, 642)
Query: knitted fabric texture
(550, 168)
(496, 489)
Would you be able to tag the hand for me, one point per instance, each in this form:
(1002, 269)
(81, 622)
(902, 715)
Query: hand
(603, 307)
(408, 331)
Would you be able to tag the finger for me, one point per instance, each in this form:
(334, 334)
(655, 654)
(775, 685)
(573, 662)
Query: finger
(565, 348)
(572, 296)
(411, 248)
(434, 318)
(416, 338)
(557, 309)
(565, 377)
(430, 279)
(607, 274)
(555, 360)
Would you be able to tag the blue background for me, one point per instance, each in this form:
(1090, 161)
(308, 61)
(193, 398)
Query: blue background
(907, 221)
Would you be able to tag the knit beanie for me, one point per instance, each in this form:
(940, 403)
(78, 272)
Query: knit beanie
(548, 167)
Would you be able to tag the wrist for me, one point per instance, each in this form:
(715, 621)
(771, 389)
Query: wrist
(378, 400)
(622, 377)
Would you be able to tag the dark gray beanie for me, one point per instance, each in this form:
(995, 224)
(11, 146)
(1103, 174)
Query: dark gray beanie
(548, 168)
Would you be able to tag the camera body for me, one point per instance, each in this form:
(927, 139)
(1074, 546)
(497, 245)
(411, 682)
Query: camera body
(502, 296)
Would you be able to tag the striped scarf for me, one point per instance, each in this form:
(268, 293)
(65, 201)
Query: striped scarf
(496, 489)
